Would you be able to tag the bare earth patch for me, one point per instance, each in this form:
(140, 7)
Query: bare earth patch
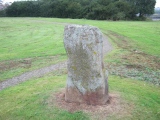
(7, 65)
(116, 106)
(134, 63)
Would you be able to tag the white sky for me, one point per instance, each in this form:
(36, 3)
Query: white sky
(157, 2)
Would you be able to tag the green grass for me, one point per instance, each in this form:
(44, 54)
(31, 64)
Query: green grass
(29, 100)
(129, 61)
(144, 96)
(31, 38)
(27, 44)
(145, 35)
(24, 40)
(21, 38)
(18, 67)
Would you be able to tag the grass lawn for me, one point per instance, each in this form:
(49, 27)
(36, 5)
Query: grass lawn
(27, 45)
(145, 35)
(29, 100)
(27, 39)
(32, 43)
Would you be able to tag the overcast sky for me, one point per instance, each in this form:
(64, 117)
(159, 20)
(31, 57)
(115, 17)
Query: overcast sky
(157, 4)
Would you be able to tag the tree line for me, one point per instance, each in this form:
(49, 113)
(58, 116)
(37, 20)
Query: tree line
(87, 9)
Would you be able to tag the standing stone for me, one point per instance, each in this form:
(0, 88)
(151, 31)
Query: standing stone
(87, 80)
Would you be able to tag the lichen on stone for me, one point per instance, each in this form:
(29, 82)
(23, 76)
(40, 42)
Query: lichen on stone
(84, 47)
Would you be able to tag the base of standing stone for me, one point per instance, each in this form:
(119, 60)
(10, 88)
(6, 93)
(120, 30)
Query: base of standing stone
(91, 98)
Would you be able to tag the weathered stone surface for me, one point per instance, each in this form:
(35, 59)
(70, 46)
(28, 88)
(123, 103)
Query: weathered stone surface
(87, 80)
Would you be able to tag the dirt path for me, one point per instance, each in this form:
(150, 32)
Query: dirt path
(107, 47)
(40, 72)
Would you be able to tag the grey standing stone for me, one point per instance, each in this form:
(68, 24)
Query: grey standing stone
(87, 80)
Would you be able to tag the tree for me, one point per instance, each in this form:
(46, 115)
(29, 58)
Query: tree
(90, 9)
(74, 10)
(143, 7)
(23, 9)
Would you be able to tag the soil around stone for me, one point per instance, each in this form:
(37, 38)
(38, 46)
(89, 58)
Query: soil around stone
(41, 72)
(116, 106)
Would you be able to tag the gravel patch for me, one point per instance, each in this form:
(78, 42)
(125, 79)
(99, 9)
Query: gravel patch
(107, 47)
(28, 75)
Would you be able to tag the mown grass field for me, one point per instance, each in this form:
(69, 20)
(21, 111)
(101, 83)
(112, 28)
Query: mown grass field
(27, 45)
(31, 43)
